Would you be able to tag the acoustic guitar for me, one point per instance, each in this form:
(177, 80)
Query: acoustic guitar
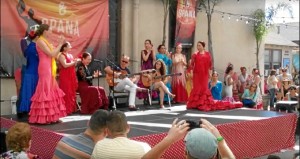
(148, 82)
(113, 81)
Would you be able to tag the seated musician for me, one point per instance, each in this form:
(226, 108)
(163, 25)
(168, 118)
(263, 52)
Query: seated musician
(158, 81)
(92, 97)
(121, 83)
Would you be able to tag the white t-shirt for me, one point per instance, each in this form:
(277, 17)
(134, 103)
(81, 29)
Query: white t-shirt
(120, 147)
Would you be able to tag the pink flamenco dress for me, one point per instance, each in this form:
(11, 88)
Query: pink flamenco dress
(200, 97)
(47, 102)
(68, 83)
(179, 82)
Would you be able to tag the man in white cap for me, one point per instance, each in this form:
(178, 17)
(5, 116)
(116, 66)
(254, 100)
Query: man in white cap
(200, 143)
(205, 142)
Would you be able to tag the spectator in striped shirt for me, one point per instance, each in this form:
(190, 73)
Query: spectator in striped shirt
(82, 145)
(117, 145)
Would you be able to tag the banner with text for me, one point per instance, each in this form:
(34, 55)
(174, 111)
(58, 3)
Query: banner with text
(85, 24)
(185, 23)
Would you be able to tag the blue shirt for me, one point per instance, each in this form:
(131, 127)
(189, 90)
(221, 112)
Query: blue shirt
(216, 91)
(247, 95)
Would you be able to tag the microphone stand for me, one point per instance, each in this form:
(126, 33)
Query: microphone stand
(113, 80)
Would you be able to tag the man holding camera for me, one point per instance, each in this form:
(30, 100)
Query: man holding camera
(204, 142)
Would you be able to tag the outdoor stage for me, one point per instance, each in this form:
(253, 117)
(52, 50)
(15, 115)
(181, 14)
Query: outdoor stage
(248, 132)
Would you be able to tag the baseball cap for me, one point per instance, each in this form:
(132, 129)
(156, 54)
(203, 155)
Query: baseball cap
(201, 144)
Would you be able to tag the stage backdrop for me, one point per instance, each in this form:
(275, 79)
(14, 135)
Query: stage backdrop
(85, 24)
(185, 22)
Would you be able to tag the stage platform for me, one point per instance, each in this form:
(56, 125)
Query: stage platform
(249, 132)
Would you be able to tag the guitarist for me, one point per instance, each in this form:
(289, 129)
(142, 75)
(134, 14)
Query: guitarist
(158, 81)
(125, 83)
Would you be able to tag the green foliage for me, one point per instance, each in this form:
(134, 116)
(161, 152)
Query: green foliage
(260, 29)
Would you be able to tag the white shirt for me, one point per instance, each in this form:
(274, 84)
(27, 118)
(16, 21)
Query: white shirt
(120, 147)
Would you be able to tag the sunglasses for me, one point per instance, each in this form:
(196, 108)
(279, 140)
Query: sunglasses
(253, 86)
(125, 61)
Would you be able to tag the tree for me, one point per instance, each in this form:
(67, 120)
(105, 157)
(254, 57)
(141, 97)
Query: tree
(209, 6)
(262, 23)
(263, 20)
(259, 30)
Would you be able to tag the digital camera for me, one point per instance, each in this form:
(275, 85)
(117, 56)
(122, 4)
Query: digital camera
(193, 124)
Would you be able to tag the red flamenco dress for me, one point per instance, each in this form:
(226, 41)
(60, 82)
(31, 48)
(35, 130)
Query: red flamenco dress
(47, 104)
(68, 83)
(200, 97)
(92, 97)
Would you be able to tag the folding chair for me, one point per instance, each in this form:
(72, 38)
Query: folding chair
(115, 95)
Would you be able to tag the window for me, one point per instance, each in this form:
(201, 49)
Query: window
(272, 59)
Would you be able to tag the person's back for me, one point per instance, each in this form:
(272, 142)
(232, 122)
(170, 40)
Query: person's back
(74, 146)
(82, 145)
(117, 145)
(120, 147)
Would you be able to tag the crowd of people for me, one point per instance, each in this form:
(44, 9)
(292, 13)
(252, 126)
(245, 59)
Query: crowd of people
(106, 136)
(164, 76)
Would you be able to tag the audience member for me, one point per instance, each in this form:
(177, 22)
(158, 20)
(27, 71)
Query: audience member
(177, 132)
(249, 97)
(273, 157)
(200, 143)
(242, 79)
(296, 155)
(82, 145)
(18, 140)
(292, 95)
(283, 75)
(206, 142)
(215, 86)
(235, 90)
(117, 145)
(228, 81)
(285, 86)
(272, 86)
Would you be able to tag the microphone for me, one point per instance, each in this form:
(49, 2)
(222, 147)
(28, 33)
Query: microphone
(96, 60)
